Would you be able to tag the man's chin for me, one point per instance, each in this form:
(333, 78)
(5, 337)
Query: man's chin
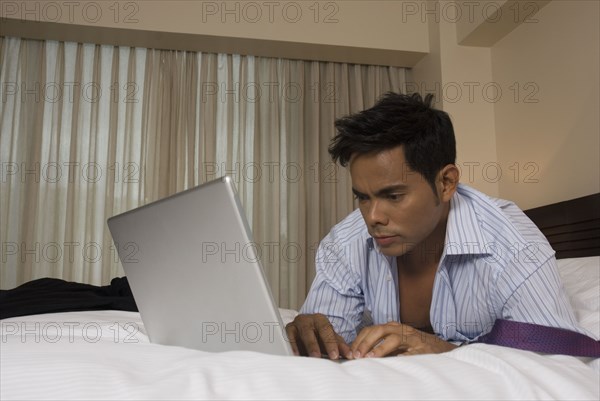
(393, 250)
(396, 249)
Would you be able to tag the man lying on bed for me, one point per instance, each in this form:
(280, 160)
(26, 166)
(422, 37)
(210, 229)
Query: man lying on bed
(424, 263)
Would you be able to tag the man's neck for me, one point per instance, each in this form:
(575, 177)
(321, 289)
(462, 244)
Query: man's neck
(426, 256)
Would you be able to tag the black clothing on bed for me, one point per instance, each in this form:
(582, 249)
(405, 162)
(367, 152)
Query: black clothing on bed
(50, 295)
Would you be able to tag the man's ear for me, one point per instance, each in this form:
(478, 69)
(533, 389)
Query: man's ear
(448, 178)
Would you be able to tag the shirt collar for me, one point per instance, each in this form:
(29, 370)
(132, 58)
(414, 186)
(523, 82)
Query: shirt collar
(464, 235)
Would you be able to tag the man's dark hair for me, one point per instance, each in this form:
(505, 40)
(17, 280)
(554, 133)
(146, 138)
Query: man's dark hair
(425, 133)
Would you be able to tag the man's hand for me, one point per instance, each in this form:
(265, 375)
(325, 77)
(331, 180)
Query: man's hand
(395, 338)
(313, 335)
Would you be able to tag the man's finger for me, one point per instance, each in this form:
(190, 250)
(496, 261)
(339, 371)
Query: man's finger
(292, 333)
(314, 335)
(310, 341)
(371, 339)
(329, 339)
(367, 339)
(344, 348)
(388, 346)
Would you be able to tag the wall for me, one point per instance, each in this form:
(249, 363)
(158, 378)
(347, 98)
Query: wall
(547, 124)
(525, 101)
(322, 30)
(467, 78)
(459, 77)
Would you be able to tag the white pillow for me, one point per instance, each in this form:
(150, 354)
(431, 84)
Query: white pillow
(287, 315)
(581, 277)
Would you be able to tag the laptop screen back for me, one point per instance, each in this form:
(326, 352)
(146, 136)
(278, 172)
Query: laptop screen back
(195, 272)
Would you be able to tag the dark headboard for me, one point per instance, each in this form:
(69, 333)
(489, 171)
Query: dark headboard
(572, 227)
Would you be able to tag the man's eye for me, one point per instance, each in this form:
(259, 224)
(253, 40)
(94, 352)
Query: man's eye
(394, 197)
(360, 198)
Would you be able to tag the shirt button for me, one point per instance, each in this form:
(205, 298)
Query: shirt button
(389, 278)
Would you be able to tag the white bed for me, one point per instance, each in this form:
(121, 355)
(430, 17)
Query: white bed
(106, 355)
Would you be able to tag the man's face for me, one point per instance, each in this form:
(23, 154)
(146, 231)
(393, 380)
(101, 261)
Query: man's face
(399, 206)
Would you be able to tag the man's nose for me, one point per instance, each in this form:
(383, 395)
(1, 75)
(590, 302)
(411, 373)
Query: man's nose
(376, 214)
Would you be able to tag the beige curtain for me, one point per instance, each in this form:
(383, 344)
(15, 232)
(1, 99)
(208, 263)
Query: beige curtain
(89, 131)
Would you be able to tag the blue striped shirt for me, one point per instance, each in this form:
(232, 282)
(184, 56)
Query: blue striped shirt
(495, 264)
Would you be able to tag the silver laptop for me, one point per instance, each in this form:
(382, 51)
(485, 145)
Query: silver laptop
(195, 272)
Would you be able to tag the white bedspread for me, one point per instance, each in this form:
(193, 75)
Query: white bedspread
(106, 355)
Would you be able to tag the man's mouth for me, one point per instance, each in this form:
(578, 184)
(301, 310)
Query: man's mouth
(383, 240)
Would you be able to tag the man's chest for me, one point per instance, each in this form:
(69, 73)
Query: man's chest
(415, 292)
(455, 301)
